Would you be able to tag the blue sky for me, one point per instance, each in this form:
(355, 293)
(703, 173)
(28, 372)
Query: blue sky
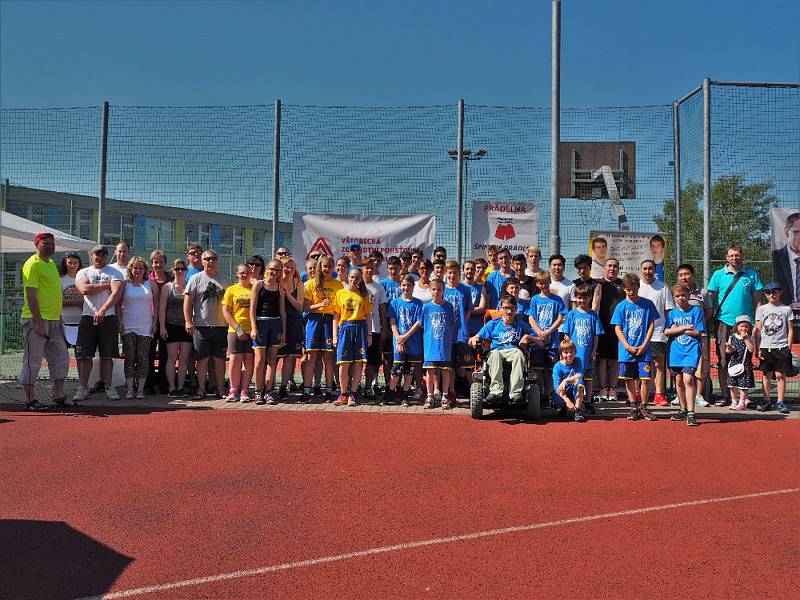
(385, 53)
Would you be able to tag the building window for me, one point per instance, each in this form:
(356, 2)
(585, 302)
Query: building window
(118, 226)
(200, 233)
(159, 233)
(82, 223)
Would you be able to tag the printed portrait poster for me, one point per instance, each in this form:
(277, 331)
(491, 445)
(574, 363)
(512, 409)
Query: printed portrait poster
(785, 226)
(390, 234)
(514, 225)
(630, 248)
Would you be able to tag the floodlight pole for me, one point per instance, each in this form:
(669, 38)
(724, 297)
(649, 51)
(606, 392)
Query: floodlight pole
(276, 176)
(676, 161)
(101, 197)
(460, 179)
(706, 181)
(555, 132)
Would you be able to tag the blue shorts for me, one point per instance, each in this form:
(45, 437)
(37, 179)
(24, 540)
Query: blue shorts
(319, 332)
(352, 343)
(678, 370)
(269, 331)
(400, 357)
(570, 392)
(463, 357)
(437, 364)
(635, 370)
(294, 338)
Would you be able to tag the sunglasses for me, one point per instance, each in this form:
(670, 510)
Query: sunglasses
(314, 256)
(179, 269)
(243, 274)
(209, 258)
(194, 253)
(275, 269)
(281, 253)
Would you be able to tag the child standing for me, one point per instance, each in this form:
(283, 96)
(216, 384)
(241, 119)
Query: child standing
(684, 327)
(740, 348)
(236, 310)
(405, 318)
(568, 387)
(583, 327)
(437, 335)
(545, 315)
(460, 297)
(634, 320)
(774, 342)
(352, 323)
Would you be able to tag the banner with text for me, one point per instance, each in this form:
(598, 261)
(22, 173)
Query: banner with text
(630, 248)
(390, 234)
(514, 225)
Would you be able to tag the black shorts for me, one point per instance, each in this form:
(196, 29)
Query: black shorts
(776, 360)
(295, 336)
(374, 354)
(92, 337)
(463, 357)
(177, 334)
(210, 341)
(658, 348)
(237, 346)
(608, 345)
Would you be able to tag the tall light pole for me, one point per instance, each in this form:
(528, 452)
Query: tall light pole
(466, 156)
(555, 131)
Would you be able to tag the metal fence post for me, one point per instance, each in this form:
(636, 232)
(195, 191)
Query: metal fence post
(706, 181)
(676, 160)
(555, 132)
(276, 176)
(460, 178)
(101, 198)
(3, 281)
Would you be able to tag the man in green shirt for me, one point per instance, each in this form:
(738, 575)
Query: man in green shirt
(41, 323)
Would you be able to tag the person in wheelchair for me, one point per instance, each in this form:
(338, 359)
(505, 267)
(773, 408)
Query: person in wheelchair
(509, 338)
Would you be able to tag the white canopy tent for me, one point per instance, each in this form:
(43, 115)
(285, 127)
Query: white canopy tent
(18, 233)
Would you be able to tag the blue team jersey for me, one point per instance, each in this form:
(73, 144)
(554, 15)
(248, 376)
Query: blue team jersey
(392, 288)
(505, 336)
(545, 310)
(475, 322)
(583, 328)
(684, 351)
(494, 285)
(405, 313)
(634, 318)
(461, 300)
(438, 331)
(562, 371)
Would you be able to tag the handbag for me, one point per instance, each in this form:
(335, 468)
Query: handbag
(737, 369)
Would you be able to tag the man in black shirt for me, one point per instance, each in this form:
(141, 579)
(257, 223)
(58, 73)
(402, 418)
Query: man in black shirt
(611, 294)
(583, 265)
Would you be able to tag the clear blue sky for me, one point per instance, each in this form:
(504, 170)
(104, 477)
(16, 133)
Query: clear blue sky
(386, 53)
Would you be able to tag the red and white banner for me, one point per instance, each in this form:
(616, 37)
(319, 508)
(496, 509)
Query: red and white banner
(514, 225)
(390, 234)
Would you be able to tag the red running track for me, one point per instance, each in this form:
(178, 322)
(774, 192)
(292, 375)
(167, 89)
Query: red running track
(160, 498)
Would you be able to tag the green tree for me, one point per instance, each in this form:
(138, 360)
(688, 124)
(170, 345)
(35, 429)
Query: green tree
(739, 215)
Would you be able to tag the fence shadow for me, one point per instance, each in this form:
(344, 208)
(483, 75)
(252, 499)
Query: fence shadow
(50, 559)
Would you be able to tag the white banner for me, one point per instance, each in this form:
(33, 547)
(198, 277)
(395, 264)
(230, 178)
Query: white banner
(630, 248)
(514, 225)
(390, 234)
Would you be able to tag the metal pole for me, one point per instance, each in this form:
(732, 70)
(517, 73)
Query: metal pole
(676, 160)
(706, 181)
(555, 132)
(3, 280)
(101, 198)
(460, 178)
(276, 176)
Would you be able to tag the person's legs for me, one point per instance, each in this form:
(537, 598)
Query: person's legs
(309, 367)
(781, 385)
(85, 370)
(107, 371)
(659, 375)
(330, 364)
(247, 371)
(766, 381)
(516, 382)
(260, 366)
(494, 365)
(722, 334)
(272, 365)
(680, 388)
(613, 380)
(202, 372)
(31, 360)
(142, 362)
(235, 376)
(129, 349)
(173, 350)
(355, 377)
(184, 358)
(219, 372)
(690, 390)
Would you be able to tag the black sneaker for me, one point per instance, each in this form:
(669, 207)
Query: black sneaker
(678, 416)
(387, 398)
(282, 393)
(579, 418)
(99, 386)
(305, 398)
(328, 395)
(293, 387)
(647, 414)
(635, 414)
(316, 392)
(764, 406)
(175, 394)
(691, 421)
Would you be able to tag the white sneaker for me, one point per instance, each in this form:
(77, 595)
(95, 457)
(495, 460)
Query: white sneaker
(112, 394)
(676, 402)
(130, 395)
(419, 394)
(699, 401)
(140, 395)
(81, 395)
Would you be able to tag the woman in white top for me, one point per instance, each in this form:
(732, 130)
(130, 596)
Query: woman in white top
(137, 323)
(422, 288)
(72, 301)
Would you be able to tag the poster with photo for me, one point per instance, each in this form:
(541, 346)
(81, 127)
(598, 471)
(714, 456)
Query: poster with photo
(630, 248)
(785, 235)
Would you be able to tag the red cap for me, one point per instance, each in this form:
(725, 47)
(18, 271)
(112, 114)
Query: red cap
(41, 235)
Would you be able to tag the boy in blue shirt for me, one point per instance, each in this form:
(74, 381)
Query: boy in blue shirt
(684, 327)
(495, 279)
(512, 287)
(634, 321)
(506, 333)
(478, 296)
(583, 327)
(437, 340)
(391, 283)
(460, 297)
(568, 387)
(545, 315)
(405, 315)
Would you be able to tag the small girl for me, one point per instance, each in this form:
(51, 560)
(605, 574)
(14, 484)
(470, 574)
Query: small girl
(740, 348)
(352, 320)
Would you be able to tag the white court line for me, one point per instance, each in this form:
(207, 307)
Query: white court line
(430, 542)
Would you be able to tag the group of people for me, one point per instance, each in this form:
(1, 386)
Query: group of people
(422, 320)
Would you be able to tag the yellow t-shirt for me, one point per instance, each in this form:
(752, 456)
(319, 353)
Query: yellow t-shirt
(44, 277)
(329, 290)
(489, 270)
(350, 306)
(237, 298)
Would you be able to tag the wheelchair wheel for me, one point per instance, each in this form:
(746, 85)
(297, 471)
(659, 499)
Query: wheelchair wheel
(534, 409)
(476, 399)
